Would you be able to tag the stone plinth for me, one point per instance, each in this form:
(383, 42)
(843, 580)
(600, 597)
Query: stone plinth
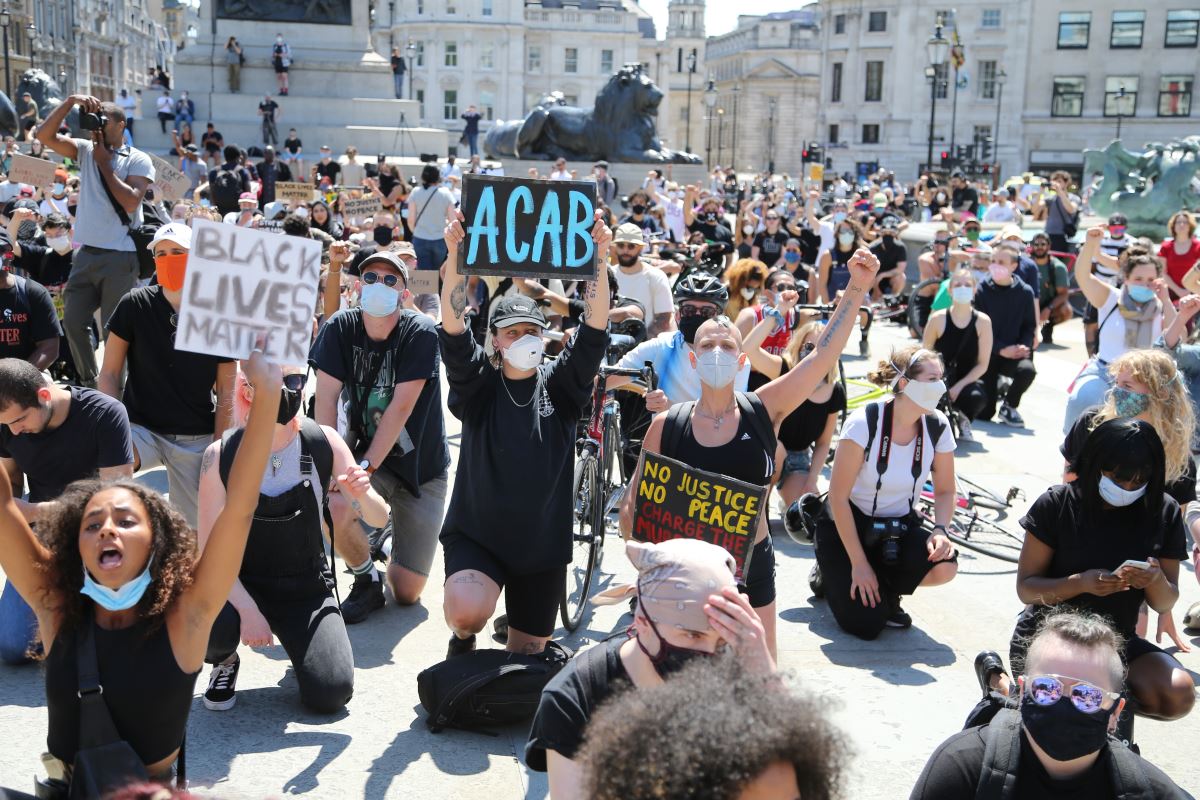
(628, 176)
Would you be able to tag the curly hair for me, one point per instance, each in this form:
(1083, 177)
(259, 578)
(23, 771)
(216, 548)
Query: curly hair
(903, 363)
(1170, 411)
(173, 552)
(737, 276)
(661, 743)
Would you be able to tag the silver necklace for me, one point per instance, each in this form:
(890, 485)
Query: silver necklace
(504, 382)
(720, 418)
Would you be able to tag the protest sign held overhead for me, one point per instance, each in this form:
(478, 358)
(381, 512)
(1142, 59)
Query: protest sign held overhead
(30, 170)
(294, 191)
(242, 283)
(527, 227)
(170, 183)
(675, 501)
(361, 208)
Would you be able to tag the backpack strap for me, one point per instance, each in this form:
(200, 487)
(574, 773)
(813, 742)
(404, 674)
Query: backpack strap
(935, 426)
(674, 426)
(755, 412)
(313, 440)
(1125, 769)
(1001, 757)
(872, 424)
(230, 440)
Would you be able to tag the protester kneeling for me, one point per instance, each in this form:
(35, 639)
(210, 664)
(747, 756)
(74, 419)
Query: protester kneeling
(1058, 742)
(870, 545)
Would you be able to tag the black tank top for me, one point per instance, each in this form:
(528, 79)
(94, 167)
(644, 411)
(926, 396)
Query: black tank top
(147, 694)
(959, 347)
(839, 269)
(744, 457)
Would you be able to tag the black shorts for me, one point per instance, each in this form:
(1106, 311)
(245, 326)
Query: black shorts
(1090, 315)
(531, 600)
(760, 578)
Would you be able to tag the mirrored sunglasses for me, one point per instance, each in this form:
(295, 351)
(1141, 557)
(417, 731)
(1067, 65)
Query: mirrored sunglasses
(389, 281)
(1046, 690)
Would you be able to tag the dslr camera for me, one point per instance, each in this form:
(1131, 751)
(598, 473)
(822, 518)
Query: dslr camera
(93, 122)
(887, 533)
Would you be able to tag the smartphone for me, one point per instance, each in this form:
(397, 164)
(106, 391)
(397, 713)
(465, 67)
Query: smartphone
(1134, 564)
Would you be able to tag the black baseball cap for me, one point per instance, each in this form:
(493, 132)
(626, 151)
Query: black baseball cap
(516, 309)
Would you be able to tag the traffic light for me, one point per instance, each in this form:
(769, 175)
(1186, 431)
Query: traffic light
(945, 158)
(806, 153)
(816, 152)
(985, 148)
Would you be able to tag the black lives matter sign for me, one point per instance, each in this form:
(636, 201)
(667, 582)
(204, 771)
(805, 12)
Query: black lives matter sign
(675, 501)
(528, 227)
(244, 284)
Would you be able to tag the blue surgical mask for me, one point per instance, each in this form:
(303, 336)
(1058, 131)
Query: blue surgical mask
(378, 300)
(1129, 403)
(58, 189)
(838, 216)
(791, 257)
(962, 294)
(1140, 294)
(1114, 495)
(121, 599)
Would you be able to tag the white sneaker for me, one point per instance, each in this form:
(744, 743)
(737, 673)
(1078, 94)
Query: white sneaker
(964, 431)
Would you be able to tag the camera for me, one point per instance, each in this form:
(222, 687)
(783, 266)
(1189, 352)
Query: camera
(92, 122)
(887, 533)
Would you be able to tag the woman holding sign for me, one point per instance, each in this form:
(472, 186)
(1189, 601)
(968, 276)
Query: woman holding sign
(511, 509)
(733, 434)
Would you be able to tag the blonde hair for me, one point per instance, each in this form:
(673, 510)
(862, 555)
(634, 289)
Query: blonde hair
(1170, 410)
(903, 363)
(791, 355)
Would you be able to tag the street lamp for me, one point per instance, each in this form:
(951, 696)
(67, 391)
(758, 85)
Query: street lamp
(1001, 76)
(411, 49)
(720, 134)
(5, 21)
(687, 134)
(710, 101)
(771, 136)
(1120, 109)
(62, 80)
(936, 49)
(733, 155)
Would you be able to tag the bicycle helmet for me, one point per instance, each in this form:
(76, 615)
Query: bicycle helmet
(699, 286)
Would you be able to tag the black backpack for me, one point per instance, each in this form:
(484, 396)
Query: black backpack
(225, 188)
(1002, 758)
(487, 688)
(748, 403)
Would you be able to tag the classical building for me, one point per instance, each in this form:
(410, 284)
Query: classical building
(118, 44)
(766, 77)
(20, 27)
(677, 64)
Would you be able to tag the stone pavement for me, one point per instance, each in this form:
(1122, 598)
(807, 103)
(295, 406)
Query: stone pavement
(897, 697)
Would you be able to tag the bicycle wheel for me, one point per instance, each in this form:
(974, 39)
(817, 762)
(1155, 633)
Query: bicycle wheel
(578, 583)
(919, 308)
(977, 495)
(971, 531)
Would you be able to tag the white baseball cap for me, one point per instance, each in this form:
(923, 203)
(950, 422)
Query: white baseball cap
(177, 232)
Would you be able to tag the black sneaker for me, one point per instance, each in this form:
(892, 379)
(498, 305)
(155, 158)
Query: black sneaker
(460, 646)
(365, 597)
(816, 582)
(222, 686)
(987, 664)
(1048, 332)
(1011, 417)
(899, 618)
(380, 540)
(500, 629)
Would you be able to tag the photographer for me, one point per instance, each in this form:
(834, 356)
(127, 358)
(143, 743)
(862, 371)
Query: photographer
(111, 175)
(870, 546)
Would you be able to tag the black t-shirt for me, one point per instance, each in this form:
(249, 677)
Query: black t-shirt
(770, 246)
(647, 223)
(801, 429)
(965, 199)
(211, 141)
(810, 245)
(1183, 490)
(168, 391)
(27, 316)
(713, 232)
(330, 170)
(398, 66)
(512, 493)
(889, 252)
(570, 699)
(292, 145)
(268, 108)
(954, 768)
(1103, 540)
(94, 435)
(44, 264)
(409, 354)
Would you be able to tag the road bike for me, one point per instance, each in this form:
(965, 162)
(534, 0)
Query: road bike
(976, 524)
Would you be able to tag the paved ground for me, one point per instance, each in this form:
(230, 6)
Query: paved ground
(897, 697)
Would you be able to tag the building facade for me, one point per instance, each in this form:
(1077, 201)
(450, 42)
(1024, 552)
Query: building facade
(118, 45)
(677, 65)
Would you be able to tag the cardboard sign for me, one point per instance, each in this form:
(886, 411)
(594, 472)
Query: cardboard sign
(361, 208)
(423, 281)
(675, 501)
(169, 182)
(528, 227)
(33, 171)
(294, 191)
(243, 283)
(816, 173)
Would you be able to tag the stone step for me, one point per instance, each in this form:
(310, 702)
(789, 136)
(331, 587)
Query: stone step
(314, 78)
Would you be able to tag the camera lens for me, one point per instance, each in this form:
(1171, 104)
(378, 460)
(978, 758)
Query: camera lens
(891, 550)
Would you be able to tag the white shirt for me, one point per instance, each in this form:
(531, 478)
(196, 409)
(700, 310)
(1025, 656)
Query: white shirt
(53, 205)
(562, 175)
(128, 104)
(677, 378)
(673, 216)
(650, 287)
(897, 494)
(166, 105)
(451, 169)
(1112, 329)
(999, 213)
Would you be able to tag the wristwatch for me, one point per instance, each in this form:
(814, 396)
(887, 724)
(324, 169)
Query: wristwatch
(935, 527)
(366, 465)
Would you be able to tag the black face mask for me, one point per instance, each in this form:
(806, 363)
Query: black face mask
(28, 230)
(670, 658)
(638, 208)
(382, 235)
(710, 217)
(688, 327)
(1062, 730)
(289, 404)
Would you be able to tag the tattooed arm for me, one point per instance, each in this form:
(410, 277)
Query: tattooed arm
(454, 286)
(596, 293)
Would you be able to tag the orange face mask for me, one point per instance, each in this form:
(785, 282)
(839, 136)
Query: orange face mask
(170, 270)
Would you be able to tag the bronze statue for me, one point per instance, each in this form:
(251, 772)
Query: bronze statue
(1148, 186)
(315, 12)
(620, 128)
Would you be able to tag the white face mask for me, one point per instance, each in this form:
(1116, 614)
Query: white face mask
(749, 293)
(846, 238)
(60, 244)
(747, 229)
(717, 367)
(526, 352)
(962, 294)
(1115, 495)
(925, 394)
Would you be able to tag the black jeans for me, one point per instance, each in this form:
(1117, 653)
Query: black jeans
(972, 400)
(1022, 373)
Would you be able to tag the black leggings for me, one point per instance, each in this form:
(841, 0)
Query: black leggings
(897, 579)
(972, 400)
(311, 630)
(1022, 373)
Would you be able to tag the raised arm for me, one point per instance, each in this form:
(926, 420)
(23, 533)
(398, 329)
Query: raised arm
(25, 560)
(768, 364)
(47, 133)
(1095, 290)
(595, 293)
(689, 204)
(454, 286)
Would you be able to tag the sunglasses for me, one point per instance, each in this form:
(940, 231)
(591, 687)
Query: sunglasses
(942, 242)
(389, 281)
(705, 312)
(807, 348)
(295, 382)
(1046, 690)
(785, 287)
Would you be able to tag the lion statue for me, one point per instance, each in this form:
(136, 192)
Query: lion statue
(46, 95)
(620, 128)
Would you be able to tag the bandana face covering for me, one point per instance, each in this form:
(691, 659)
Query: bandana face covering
(1129, 403)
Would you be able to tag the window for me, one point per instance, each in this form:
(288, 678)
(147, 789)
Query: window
(487, 12)
(1183, 28)
(487, 56)
(533, 58)
(451, 55)
(1067, 100)
(839, 23)
(420, 6)
(1120, 96)
(571, 60)
(990, 19)
(982, 132)
(1175, 96)
(877, 22)
(1074, 28)
(487, 104)
(987, 80)
(421, 101)
(874, 89)
(451, 7)
(870, 134)
(1127, 28)
(942, 76)
(833, 134)
(606, 62)
(420, 54)
(835, 91)
(450, 104)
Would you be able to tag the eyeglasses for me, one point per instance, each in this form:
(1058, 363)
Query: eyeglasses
(785, 287)
(772, 218)
(942, 242)
(295, 382)
(389, 281)
(704, 312)
(1046, 690)
(807, 348)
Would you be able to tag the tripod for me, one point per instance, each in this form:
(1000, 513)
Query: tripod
(401, 131)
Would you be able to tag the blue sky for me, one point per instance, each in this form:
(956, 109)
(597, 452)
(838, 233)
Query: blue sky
(720, 15)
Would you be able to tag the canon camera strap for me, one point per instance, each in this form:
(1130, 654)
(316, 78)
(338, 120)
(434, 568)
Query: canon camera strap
(885, 452)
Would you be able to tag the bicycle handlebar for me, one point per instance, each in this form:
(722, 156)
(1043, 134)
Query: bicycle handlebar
(645, 373)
